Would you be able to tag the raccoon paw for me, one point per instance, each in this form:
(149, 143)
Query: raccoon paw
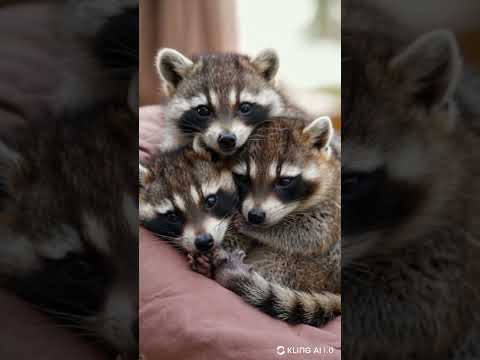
(201, 264)
(230, 266)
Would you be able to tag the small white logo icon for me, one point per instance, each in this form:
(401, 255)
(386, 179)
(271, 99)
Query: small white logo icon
(280, 350)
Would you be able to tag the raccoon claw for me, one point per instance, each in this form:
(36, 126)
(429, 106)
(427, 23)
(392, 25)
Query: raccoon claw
(201, 264)
(230, 266)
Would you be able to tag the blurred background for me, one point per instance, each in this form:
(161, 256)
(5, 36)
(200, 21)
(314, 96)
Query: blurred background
(305, 33)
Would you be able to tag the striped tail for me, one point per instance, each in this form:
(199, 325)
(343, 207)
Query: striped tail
(281, 302)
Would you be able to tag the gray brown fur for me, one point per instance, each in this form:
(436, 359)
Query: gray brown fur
(292, 269)
(223, 76)
(410, 285)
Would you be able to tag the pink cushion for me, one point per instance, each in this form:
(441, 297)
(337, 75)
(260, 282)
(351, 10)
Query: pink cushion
(184, 315)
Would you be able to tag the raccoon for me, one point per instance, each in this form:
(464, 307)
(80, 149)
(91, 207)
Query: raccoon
(289, 184)
(217, 100)
(410, 197)
(186, 199)
(68, 222)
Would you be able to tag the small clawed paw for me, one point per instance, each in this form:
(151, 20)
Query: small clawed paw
(201, 264)
(230, 266)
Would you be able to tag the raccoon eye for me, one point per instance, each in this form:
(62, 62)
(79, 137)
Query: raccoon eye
(172, 217)
(245, 108)
(203, 111)
(211, 201)
(284, 181)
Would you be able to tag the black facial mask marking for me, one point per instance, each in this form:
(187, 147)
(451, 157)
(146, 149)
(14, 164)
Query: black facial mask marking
(226, 204)
(74, 285)
(256, 115)
(164, 225)
(191, 122)
(297, 190)
(372, 201)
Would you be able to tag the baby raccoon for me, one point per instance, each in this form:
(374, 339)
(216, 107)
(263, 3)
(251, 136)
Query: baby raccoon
(217, 100)
(68, 222)
(289, 185)
(187, 199)
(410, 197)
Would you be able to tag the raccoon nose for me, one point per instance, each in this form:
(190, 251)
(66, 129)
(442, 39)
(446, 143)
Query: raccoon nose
(227, 141)
(256, 216)
(204, 242)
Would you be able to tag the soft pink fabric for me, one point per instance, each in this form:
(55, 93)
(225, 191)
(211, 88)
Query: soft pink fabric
(184, 315)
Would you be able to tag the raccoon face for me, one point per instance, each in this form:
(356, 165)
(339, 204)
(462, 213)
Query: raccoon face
(400, 143)
(187, 199)
(220, 99)
(286, 168)
(69, 256)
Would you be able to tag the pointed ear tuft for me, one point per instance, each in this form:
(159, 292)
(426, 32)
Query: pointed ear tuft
(267, 63)
(431, 66)
(172, 67)
(320, 131)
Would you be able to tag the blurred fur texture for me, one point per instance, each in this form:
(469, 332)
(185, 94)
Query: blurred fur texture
(410, 195)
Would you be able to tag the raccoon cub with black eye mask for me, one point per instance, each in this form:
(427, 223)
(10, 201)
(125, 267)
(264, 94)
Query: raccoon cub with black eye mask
(289, 185)
(217, 100)
(186, 199)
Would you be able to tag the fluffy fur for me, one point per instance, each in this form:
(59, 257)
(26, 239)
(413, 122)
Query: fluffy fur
(292, 266)
(409, 196)
(214, 95)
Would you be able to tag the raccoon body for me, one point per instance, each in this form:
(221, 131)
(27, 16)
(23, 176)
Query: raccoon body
(409, 197)
(217, 100)
(289, 223)
(68, 219)
(186, 199)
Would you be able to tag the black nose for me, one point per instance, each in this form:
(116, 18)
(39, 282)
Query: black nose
(204, 242)
(256, 216)
(227, 141)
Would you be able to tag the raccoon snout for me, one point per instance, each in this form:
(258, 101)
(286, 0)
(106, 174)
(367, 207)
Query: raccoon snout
(227, 141)
(204, 242)
(256, 216)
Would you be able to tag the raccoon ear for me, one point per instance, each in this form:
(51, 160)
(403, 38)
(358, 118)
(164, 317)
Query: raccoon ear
(266, 62)
(172, 67)
(431, 65)
(320, 131)
(143, 174)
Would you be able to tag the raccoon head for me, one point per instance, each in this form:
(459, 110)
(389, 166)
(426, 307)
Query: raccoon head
(65, 254)
(187, 199)
(219, 99)
(400, 138)
(287, 167)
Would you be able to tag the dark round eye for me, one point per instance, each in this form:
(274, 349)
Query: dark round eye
(284, 181)
(211, 201)
(172, 217)
(245, 108)
(203, 110)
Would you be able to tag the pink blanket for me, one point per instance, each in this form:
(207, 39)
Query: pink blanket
(184, 315)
